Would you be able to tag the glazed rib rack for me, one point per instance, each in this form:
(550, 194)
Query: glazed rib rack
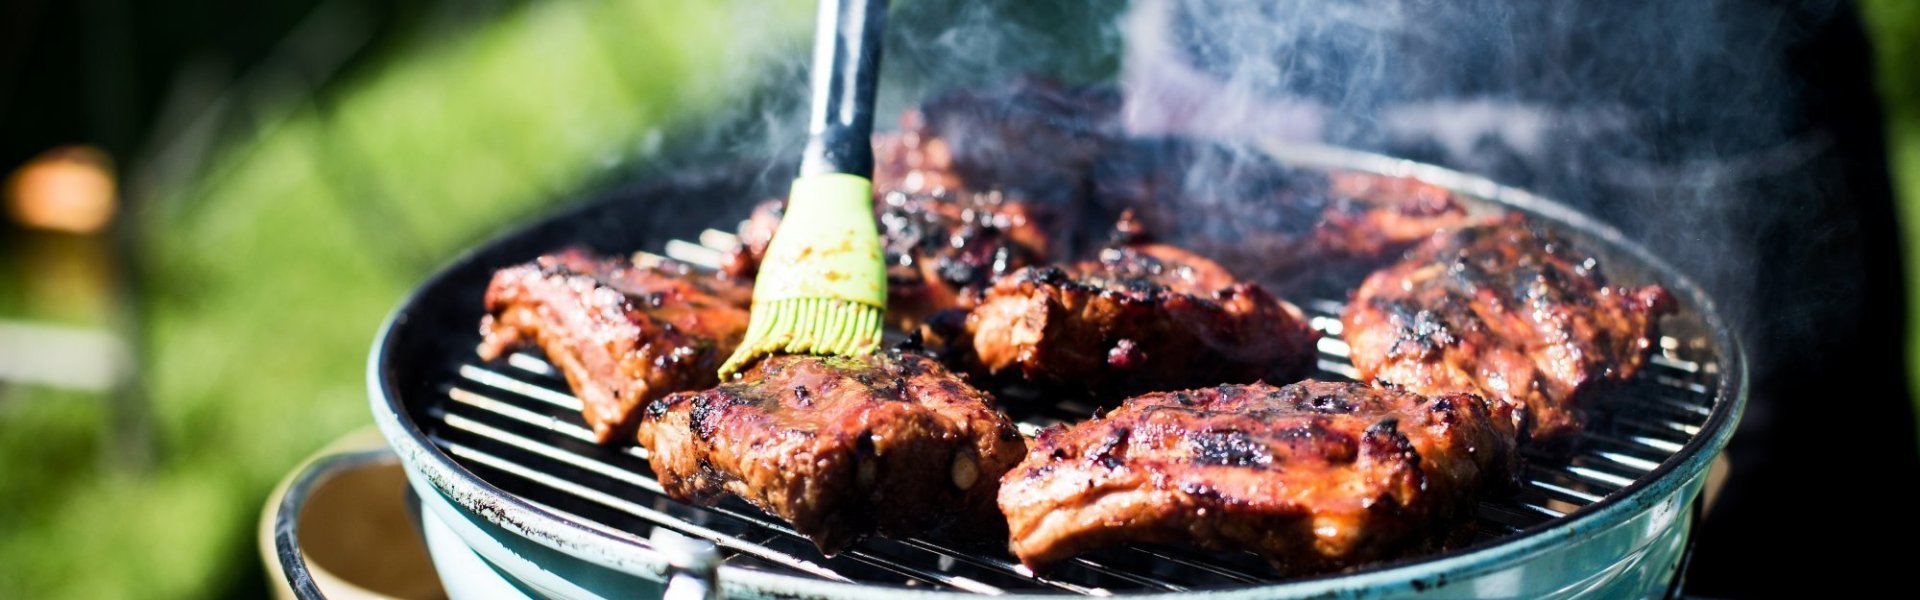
(513, 423)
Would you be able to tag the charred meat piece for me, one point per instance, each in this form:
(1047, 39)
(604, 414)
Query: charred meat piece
(1314, 476)
(840, 447)
(1510, 311)
(1138, 319)
(1378, 216)
(942, 253)
(622, 334)
(1267, 221)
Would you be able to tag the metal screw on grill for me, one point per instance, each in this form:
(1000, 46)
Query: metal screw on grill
(693, 566)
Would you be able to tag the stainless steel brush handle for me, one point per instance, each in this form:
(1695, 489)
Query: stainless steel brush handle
(846, 69)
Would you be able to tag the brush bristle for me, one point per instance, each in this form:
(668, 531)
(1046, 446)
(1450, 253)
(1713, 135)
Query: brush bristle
(806, 326)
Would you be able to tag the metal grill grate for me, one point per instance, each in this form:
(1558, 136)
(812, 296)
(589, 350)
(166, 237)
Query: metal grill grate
(514, 424)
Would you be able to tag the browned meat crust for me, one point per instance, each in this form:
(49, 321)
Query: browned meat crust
(621, 334)
(1313, 476)
(1141, 318)
(942, 252)
(839, 447)
(1510, 311)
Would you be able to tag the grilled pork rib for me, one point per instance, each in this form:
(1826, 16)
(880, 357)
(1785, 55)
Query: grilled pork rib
(1140, 318)
(839, 447)
(1313, 476)
(621, 334)
(1509, 311)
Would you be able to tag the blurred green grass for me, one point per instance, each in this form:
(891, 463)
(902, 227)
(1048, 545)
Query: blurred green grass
(1894, 27)
(266, 275)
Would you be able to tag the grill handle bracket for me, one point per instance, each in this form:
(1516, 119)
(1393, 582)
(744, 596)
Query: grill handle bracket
(693, 565)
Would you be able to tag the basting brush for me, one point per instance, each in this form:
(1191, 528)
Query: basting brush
(822, 287)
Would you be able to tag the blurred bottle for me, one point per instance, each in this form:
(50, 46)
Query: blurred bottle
(60, 261)
(65, 317)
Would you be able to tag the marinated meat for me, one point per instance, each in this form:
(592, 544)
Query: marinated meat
(1314, 476)
(1266, 221)
(839, 447)
(1140, 318)
(941, 253)
(622, 334)
(1510, 311)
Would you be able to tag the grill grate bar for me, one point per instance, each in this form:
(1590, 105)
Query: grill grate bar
(1344, 370)
(1662, 359)
(1669, 428)
(502, 382)
(658, 518)
(897, 566)
(1198, 565)
(529, 363)
(1633, 462)
(1564, 493)
(600, 468)
(1565, 477)
(1689, 386)
(1550, 513)
(1003, 565)
(1596, 475)
(1332, 346)
(1330, 308)
(1123, 575)
(1656, 443)
(1600, 442)
(694, 254)
(547, 422)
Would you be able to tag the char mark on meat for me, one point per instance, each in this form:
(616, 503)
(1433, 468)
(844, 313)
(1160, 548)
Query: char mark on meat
(620, 333)
(1507, 310)
(1139, 318)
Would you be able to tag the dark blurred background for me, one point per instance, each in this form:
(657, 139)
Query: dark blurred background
(209, 206)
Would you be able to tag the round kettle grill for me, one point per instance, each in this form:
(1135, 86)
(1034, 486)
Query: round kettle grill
(516, 498)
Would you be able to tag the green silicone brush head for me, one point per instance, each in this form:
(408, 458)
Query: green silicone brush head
(822, 287)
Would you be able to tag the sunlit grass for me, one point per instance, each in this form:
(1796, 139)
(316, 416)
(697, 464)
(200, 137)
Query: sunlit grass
(266, 276)
(1894, 26)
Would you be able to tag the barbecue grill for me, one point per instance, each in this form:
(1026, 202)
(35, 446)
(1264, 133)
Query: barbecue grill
(514, 492)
